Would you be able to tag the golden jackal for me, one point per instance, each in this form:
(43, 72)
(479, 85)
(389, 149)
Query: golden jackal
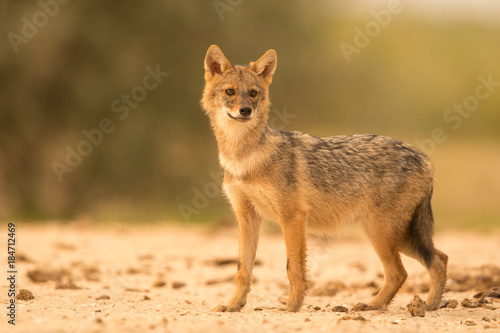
(310, 184)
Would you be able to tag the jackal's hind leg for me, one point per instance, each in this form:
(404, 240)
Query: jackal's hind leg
(295, 242)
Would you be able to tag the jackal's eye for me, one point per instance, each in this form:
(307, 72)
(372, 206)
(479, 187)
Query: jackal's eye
(253, 93)
(230, 92)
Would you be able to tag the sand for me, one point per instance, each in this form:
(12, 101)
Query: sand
(166, 278)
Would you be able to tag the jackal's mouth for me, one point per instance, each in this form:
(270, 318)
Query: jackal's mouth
(242, 119)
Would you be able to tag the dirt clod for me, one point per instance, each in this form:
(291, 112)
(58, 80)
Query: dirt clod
(229, 261)
(356, 317)
(340, 308)
(177, 285)
(44, 275)
(492, 292)
(132, 270)
(24, 295)
(468, 322)
(481, 278)
(67, 285)
(469, 303)
(159, 284)
(449, 304)
(22, 257)
(102, 297)
(416, 307)
(91, 273)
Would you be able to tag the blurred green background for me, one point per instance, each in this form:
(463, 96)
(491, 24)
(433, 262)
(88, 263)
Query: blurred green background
(63, 65)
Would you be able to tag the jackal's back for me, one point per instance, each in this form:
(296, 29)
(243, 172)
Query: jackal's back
(342, 178)
(353, 163)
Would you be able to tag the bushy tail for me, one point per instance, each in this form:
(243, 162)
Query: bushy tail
(420, 230)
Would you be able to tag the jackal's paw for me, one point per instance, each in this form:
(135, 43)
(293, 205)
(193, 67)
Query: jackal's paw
(367, 307)
(290, 308)
(224, 308)
(433, 306)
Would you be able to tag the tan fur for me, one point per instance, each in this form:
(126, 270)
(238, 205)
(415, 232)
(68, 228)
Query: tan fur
(315, 185)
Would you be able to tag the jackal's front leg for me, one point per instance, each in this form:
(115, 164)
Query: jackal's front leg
(248, 234)
(295, 242)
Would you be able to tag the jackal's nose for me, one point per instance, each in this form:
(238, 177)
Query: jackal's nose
(245, 110)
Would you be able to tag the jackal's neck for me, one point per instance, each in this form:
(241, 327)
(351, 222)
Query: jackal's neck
(241, 152)
(236, 144)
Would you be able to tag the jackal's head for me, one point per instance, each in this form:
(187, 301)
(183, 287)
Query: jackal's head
(237, 96)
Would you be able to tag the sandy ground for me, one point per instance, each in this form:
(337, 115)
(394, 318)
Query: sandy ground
(167, 278)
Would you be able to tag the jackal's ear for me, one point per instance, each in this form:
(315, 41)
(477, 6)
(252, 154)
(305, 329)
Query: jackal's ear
(215, 62)
(266, 65)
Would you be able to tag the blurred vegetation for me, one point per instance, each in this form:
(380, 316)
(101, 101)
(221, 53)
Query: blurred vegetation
(65, 78)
